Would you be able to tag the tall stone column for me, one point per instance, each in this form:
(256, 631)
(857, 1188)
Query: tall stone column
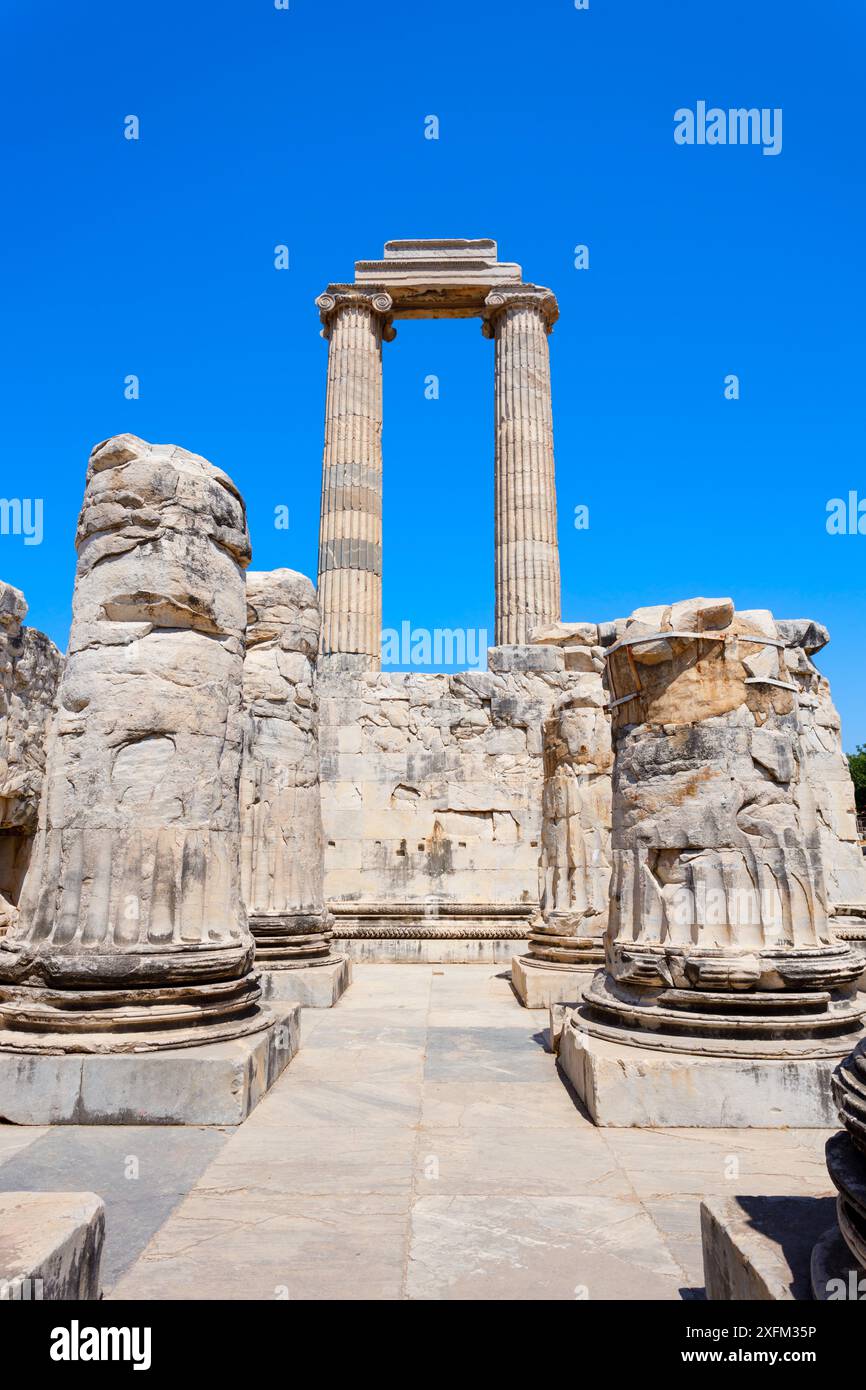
(282, 851)
(132, 936)
(350, 533)
(527, 550)
(726, 998)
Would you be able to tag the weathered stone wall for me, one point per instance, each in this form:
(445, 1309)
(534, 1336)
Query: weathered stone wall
(431, 792)
(30, 668)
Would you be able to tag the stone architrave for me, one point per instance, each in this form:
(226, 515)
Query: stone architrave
(726, 1000)
(132, 938)
(566, 942)
(30, 667)
(527, 550)
(355, 323)
(826, 791)
(282, 854)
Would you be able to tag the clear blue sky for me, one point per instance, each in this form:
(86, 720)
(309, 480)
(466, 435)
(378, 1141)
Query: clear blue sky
(306, 127)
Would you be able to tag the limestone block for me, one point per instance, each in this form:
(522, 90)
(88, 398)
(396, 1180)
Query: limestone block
(50, 1245)
(803, 633)
(758, 1249)
(525, 658)
(540, 985)
(562, 634)
(215, 1083)
(313, 987)
(702, 615)
(626, 1087)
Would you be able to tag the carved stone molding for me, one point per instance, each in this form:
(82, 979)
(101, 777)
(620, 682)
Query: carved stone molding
(376, 302)
(521, 297)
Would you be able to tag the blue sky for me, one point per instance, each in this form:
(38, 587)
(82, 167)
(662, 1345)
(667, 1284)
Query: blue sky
(306, 127)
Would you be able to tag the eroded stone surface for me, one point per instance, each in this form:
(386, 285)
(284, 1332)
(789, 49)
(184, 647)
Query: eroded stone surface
(431, 795)
(825, 790)
(282, 863)
(131, 927)
(50, 1245)
(567, 937)
(759, 1248)
(30, 667)
(719, 940)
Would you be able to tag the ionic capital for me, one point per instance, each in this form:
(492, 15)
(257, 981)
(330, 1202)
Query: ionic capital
(521, 297)
(376, 302)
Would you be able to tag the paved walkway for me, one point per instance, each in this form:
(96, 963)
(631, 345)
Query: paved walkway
(421, 1145)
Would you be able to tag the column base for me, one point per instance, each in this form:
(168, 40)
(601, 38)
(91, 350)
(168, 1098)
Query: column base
(216, 1083)
(624, 1086)
(538, 984)
(315, 985)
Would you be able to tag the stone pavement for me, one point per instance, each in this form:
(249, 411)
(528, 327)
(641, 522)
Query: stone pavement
(422, 1145)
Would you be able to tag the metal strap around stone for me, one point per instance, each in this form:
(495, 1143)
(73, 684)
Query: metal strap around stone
(663, 636)
(769, 680)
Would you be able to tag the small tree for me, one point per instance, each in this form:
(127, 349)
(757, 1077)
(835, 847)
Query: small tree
(857, 764)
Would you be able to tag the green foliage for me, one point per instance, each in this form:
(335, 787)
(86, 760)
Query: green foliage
(857, 764)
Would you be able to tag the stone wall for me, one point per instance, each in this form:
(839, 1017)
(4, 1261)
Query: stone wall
(431, 797)
(30, 667)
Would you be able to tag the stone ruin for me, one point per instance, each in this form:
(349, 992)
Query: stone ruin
(30, 667)
(721, 958)
(282, 851)
(431, 784)
(132, 936)
(566, 940)
(655, 811)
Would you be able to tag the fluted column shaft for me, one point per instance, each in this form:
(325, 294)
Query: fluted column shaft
(527, 552)
(350, 533)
